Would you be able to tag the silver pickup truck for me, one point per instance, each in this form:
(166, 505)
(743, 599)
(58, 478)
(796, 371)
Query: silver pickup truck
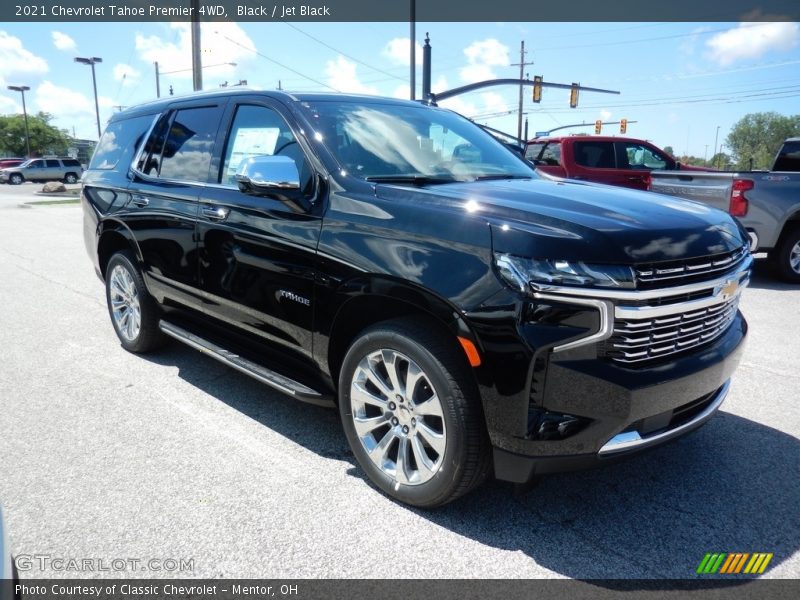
(767, 203)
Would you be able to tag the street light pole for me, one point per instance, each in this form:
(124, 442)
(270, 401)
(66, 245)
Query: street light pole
(91, 62)
(716, 137)
(22, 89)
(158, 81)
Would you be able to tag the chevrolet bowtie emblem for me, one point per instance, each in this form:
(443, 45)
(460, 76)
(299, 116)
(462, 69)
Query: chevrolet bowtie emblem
(728, 289)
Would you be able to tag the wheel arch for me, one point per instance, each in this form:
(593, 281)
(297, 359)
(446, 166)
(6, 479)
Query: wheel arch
(113, 236)
(373, 304)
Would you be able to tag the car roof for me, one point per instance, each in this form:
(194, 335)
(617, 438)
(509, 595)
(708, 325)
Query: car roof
(584, 138)
(161, 104)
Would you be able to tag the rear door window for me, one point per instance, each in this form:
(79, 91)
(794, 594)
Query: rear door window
(53, 164)
(595, 155)
(187, 151)
(789, 157)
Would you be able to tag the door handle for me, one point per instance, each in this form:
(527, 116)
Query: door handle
(216, 213)
(139, 200)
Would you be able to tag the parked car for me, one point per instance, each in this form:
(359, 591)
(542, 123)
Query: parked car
(67, 170)
(8, 575)
(11, 162)
(767, 203)
(392, 259)
(602, 159)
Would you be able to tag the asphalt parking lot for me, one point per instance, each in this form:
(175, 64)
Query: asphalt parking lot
(107, 455)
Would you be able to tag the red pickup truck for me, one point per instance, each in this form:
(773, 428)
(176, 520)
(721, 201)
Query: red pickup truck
(602, 159)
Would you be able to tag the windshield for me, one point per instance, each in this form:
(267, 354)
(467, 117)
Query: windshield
(421, 144)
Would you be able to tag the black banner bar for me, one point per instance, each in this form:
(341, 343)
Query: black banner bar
(731, 588)
(398, 10)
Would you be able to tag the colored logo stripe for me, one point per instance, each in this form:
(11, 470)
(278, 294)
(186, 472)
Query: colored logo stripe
(732, 563)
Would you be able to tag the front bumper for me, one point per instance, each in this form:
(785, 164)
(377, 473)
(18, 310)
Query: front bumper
(558, 395)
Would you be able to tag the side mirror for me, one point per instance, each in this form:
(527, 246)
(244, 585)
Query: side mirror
(272, 177)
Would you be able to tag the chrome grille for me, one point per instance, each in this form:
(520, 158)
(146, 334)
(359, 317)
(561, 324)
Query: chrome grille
(678, 272)
(635, 340)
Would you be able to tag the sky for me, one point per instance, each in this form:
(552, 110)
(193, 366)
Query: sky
(684, 84)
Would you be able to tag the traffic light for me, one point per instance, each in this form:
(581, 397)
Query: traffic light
(573, 95)
(537, 88)
(598, 126)
(623, 125)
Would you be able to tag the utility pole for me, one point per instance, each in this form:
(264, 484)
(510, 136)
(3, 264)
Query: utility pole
(22, 89)
(522, 64)
(158, 81)
(197, 67)
(413, 36)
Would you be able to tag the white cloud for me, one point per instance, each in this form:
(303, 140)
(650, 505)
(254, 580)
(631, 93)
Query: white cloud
(62, 101)
(752, 40)
(63, 42)
(481, 57)
(220, 43)
(398, 50)
(126, 74)
(490, 103)
(9, 106)
(16, 60)
(605, 115)
(342, 75)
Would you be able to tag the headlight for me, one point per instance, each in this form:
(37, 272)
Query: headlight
(519, 272)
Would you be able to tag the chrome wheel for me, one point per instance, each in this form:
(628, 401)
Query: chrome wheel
(398, 417)
(125, 307)
(794, 258)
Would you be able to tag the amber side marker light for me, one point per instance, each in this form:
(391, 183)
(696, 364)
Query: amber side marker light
(471, 351)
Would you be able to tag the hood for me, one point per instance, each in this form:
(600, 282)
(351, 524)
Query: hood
(544, 218)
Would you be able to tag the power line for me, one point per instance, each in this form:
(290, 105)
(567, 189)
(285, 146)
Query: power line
(353, 58)
(272, 60)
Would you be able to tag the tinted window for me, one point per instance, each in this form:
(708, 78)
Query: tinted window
(260, 131)
(789, 157)
(638, 156)
(53, 164)
(386, 140)
(186, 154)
(551, 155)
(71, 163)
(533, 151)
(119, 143)
(596, 155)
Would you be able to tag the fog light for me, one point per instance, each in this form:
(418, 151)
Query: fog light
(546, 426)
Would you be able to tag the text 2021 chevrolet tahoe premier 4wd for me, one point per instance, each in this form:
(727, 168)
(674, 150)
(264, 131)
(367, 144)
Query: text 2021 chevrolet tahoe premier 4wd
(465, 314)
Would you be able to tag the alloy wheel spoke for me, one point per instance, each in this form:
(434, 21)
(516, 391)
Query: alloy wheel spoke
(433, 438)
(401, 466)
(378, 453)
(390, 359)
(361, 395)
(413, 376)
(420, 456)
(367, 425)
(431, 407)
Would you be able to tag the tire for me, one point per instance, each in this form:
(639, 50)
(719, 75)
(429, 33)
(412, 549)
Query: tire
(71, 178)
(15, 179)
(424, 447)
(134, 313)
(786, 257)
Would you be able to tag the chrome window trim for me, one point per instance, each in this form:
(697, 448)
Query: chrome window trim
(138, 155)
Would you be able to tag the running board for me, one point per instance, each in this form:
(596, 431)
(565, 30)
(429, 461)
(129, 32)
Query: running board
(264, 375)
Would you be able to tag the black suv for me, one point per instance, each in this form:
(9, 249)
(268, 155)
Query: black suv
(393, 259)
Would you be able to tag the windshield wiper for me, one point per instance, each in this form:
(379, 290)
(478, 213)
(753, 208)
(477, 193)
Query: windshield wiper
(502, 176)
(412, 179)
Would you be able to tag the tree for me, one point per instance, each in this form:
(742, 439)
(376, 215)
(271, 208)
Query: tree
(720, 161)
(44, 137)
(669, 150)
(757, 137)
